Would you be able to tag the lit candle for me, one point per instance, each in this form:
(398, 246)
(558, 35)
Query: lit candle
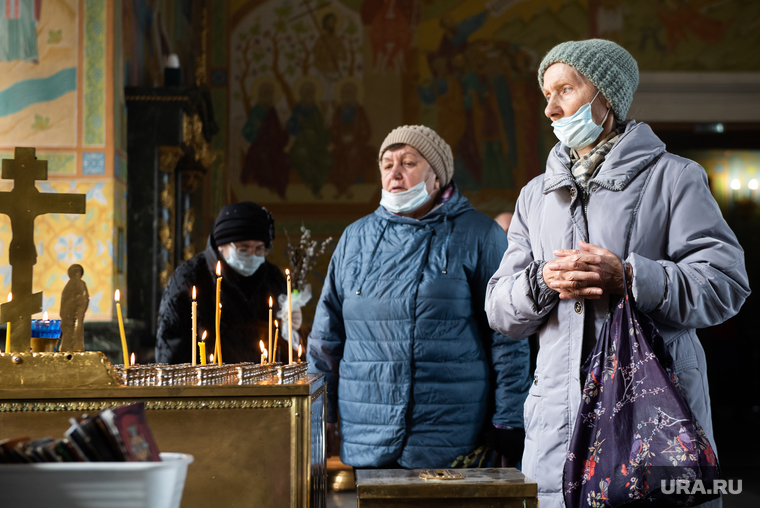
(263, 352)
(132, 360)
(270, 324)
(195, 324)
(121, 329)
(299, 353)
(290, 323)
(218, 343)
(218, 346)
(276, 336)
(202, 345)
(8, 330)
(211, 358)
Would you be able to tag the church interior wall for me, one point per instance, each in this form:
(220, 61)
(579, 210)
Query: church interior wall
(365, 66)
(466, 69)
(61, 93)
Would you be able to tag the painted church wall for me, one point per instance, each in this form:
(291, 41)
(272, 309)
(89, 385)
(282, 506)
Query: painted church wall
(61, 92)
(313, 87)
(310, 89)
(305, 91)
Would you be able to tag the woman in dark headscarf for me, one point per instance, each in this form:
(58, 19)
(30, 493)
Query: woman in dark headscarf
(242, 237)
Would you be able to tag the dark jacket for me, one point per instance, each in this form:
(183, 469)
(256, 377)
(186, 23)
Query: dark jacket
(401, 331)
(245, 309)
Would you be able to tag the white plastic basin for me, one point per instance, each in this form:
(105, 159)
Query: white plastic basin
(95, 484)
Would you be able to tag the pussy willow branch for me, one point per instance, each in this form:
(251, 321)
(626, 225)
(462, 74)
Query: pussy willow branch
(302, 258)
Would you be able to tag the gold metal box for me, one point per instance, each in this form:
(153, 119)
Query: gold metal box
(254, 445)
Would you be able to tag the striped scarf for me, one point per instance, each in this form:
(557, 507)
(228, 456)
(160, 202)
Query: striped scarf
(585, 168)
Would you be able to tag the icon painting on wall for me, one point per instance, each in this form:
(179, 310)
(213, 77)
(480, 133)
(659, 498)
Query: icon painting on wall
(298, 129)
(301, 129)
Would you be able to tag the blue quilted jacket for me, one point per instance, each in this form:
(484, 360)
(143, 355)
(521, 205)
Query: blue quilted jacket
(402, 334)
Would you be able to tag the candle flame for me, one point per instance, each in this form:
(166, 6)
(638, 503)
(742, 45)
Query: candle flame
(266, 355)
(276, 324)
(116, 295)
(203, 337)
(261, 346)
(211, 358)
(218, 268)
(10, 296)
(45, 316)
(193, 292)
(299, 351)
(270, 302)
(132, 359)
(287, 272)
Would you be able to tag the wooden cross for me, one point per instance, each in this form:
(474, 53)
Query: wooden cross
(23, 204)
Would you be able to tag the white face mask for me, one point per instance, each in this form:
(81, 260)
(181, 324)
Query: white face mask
(406, 201)
(245, 264)
(579, 130)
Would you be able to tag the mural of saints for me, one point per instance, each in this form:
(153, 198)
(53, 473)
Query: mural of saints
(329, 51)
(309, 151)
(354, 160)
(291, 104)
(266, 162)
(466, 69)
(18, 29)
(444, 91)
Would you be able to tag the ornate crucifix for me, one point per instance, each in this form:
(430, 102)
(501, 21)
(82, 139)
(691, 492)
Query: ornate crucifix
(23, 204)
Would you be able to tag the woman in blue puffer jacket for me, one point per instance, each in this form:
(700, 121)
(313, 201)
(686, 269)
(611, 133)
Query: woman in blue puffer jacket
(400, 329)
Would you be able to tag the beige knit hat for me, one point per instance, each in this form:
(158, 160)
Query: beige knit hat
(426, 141)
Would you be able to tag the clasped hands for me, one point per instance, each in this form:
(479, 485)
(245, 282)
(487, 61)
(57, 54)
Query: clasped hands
(587, 273)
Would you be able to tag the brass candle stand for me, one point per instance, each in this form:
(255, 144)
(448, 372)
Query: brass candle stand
(239, 421)
(93, 369)
(290, 373)
(206, 375)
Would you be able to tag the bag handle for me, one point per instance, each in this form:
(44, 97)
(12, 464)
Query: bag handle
(628, 289)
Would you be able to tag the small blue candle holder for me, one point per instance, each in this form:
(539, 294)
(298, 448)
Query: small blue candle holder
(45, 335)
(46, 328)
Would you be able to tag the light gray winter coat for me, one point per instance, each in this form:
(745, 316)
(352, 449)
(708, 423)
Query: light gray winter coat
(649, 207)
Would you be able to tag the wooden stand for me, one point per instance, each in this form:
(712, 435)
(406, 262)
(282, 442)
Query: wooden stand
(480, 488)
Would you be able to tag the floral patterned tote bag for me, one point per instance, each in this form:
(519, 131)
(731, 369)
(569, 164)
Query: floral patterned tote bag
(635, 438)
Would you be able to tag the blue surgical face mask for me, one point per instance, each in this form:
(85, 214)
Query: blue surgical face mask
(406, 201)
(245, 264)
(579, 130)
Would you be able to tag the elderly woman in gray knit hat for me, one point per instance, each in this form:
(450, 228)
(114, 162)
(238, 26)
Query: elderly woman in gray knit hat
(400, 328)
(610, 193)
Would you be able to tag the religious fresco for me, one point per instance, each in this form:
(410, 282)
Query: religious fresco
(301, 131)
(297, 127)
(475, 89)
(61, 92)
(64, 239)
(306, 90)
(39, 53)
(94, 69)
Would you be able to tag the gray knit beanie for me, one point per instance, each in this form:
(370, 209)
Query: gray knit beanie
(607, 65)
(426, 141)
